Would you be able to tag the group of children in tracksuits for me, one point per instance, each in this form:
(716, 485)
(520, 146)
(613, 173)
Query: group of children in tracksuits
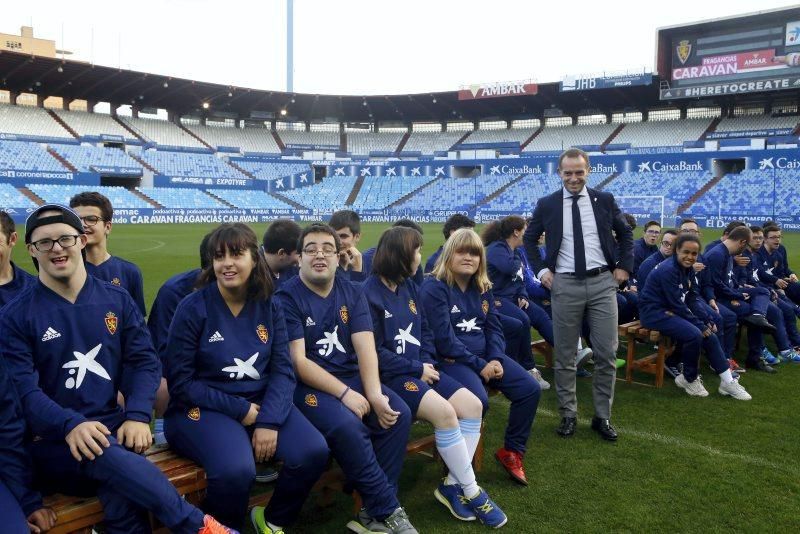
(303, 348)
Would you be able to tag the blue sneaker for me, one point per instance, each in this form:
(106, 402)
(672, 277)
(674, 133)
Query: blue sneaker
(453, 498)
(768, 357)
(487, 511)
(789, 355)
(583, 373)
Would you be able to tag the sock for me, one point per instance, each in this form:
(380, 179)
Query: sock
(275, 528)
(453, 450)
(158, 425)
(726, 376)
(580, 344)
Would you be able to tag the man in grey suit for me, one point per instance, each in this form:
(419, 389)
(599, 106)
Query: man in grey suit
(589, 253)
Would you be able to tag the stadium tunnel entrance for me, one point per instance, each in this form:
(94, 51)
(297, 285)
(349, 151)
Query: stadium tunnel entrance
(466, 171)
(721, 167)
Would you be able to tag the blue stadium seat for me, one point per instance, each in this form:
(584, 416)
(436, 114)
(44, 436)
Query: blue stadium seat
(10, 197)
(249, 199)
(181, 197)
(85, 156)
(24, 156)
(329, 194)
(60, 194)
(190, 164)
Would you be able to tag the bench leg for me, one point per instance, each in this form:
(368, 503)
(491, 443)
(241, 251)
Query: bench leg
(631, 342)
(662, 355)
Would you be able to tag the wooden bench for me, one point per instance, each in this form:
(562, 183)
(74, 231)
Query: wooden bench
(652, 363)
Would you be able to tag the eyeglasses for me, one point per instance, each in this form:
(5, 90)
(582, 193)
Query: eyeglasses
(91, 220)
(327, 252)
(652, 232)
(46, 245)
(667, 244)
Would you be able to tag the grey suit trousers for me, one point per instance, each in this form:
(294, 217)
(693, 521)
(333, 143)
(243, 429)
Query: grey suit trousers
(570, 300)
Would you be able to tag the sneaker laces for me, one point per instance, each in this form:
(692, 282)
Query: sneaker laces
(514, 461)
(397, 520)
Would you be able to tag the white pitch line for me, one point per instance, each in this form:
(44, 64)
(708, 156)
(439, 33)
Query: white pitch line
(685, 445)
(158, 246)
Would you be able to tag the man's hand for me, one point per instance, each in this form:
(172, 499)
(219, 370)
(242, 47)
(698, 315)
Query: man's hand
(252, 413)
(522, 303)
(42, 520)
(707, 332)
(780, 283)
(429, 373)
(713, 304)
(741, 260)
(87, 440)
(547, 279)
(350, 259)
(621, 275)
(492, 370)
(135, 436)
(698, 266)
(356, 403)
(632, 289)
(386, 416)
(265, 441)
(793, 277)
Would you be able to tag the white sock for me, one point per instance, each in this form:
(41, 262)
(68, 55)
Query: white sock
(580, 344)
(726, 376)
(453, 450)
(274, 528)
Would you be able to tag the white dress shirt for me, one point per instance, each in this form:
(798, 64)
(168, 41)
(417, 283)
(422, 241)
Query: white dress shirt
(565, 262)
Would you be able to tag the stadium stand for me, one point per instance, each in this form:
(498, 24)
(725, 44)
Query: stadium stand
(676, 187)
(329, 194)
(249, 199)
(86, 156)
(662, 133)
(362, 143)
(522, 195)
(189, 164)
(295, 137)
(519, 135)
(268, 170)
(181, 197)
(162, 132)
(25, 120)
(455, 193)
(11, 197)
(378, 192)
(93, 123)
(563, 137)
(247, 139)
(430, 142)
(757, 122)
(787, 192)
(119, 196)
(23, 156)
(748, 193)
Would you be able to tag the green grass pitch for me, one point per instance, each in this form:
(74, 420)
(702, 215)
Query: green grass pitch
(681, 465)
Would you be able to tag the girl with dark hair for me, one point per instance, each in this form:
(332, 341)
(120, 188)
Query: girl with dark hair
(406, 356)
(469, 341)
(231, 385)
(506, 267)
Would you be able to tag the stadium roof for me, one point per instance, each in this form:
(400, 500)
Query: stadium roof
(23, 73)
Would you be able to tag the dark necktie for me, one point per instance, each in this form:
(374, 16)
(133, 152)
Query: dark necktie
(577, 239)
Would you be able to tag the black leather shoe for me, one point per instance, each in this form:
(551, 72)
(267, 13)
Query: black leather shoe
(760, 322)
(604, 428)
(567, 427)
(762, 366)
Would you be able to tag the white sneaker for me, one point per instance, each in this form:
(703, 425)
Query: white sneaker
(535, 373)
(735, 390)
(583, 356)
(695, 389)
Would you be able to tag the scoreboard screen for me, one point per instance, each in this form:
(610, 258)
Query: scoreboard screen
(748, 54)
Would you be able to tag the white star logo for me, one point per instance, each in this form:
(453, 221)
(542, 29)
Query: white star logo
(243, 368)
(468, 326)
(415, 171)
(403, 337)
(495, 169)
(83, 363)
(329, 342)
(303, 177)
(517, 275)
(279, 183)
(439, 170)
(366, 172)
(766, 163)
(391, 171)
(339, 171)
(644, 166)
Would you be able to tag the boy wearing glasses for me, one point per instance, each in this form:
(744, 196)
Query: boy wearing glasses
(71, 342)
(775, 264)
(333, 352)
(12, 278)
(664, 251)
(96, 213)
(647, 245)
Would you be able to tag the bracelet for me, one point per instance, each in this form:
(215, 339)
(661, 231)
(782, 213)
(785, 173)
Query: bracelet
(344, 392)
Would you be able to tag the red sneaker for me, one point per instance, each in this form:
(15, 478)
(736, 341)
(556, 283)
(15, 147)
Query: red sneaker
(734, 366)
(212, 526)
(512, 463)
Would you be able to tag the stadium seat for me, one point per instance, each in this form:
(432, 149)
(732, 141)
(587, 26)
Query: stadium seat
(10, 197)
(748, 193)
(378, 192)
(190, 164)
(430, 142)
(455, 193)
(27, 120)
(329, 194)
(162, 132)
(269, 170)
(19, 155)
(362, 143)
(249, 199)
(181, 197)
(329, 140)
(662, 132)
(84, 157)
(60, 194)
(93, 123)
(555, 138)
(247, 139)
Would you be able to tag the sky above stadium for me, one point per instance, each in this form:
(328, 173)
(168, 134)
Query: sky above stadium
(366, 46)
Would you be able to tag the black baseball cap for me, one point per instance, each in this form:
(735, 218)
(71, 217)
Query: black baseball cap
(67, 216)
